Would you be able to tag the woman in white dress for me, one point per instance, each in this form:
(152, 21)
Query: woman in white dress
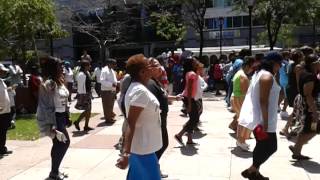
(259, 113)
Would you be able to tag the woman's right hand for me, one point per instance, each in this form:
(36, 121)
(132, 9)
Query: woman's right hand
(123, 162)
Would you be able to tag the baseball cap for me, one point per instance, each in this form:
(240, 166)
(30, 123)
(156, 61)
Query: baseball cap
(3, 68)
(274, 56)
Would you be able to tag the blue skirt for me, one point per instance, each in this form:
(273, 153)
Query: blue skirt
(143, 167)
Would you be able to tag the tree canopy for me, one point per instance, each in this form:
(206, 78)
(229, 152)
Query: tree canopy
(22, 21)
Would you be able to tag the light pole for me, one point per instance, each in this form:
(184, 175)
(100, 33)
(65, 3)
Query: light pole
(220, 24)
(250, 7)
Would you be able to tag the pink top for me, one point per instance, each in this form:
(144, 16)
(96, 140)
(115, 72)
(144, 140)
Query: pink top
(191, 76)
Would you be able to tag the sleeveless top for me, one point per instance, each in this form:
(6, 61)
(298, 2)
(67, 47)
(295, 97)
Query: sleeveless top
(251, 115)
(191, 76)
(236, 84)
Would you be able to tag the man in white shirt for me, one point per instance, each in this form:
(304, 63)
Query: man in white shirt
(5, 117)
(96, 75)
(15, 74)
(109, 84)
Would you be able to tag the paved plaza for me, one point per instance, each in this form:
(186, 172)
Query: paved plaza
(93, 156)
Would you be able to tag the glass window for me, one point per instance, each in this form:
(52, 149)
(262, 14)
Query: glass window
(237, 21)
(209, 3)
(229, 22)
(227, 3)
(218, 3)
(209, 23)
(246, 22)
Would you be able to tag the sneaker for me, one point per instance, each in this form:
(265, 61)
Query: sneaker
(243, 146)
(284, 115)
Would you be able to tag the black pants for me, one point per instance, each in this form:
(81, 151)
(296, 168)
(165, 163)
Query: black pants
(97, 87)
(164, 132)
(59, 149)
(5, 122)
(193, 116)
(264, 149)
(70, 89)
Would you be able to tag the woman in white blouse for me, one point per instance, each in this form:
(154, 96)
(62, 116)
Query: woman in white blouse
(143, 133)
(84, 95)
(52, 112)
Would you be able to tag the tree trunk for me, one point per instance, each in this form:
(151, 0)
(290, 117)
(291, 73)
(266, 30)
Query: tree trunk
(35, 49)
(314, 32)
(201, 43)
(270, 34)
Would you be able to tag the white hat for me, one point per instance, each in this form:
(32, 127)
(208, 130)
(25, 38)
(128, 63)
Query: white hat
(3, 68)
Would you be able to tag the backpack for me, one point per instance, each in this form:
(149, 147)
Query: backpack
(217, 72)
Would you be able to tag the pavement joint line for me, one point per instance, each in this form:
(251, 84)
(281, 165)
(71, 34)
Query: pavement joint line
(25, 170)
(90, 169)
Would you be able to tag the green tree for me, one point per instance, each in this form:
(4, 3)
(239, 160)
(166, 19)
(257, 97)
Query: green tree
(313, 16)
(112, 23)
(286, 36)
(194, 12)
(166, 18)
(274, 13)
(25, 20)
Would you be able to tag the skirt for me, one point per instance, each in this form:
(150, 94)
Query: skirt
(143, 167)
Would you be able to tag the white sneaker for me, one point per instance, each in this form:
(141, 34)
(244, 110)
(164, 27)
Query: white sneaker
(284, 115)
(243, 146)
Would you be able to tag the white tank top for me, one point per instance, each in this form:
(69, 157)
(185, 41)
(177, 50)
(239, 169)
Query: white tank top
(251, 115)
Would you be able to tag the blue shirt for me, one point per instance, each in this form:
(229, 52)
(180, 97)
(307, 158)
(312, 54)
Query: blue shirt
(283, 72)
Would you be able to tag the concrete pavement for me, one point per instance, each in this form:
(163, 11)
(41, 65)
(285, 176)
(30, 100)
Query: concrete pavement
(92, 156)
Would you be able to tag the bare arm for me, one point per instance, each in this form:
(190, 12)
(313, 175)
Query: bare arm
(266, 82)
(244, 84)
(307, 92)
(134, 113)
(189, 95)
(298, 69)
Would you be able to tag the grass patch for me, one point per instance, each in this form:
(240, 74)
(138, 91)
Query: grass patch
(27, 127)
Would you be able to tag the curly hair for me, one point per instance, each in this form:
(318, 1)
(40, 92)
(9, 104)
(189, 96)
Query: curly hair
(135, 64)
(50, 67)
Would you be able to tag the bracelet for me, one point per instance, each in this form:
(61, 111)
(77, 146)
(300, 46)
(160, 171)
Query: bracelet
(125, 154)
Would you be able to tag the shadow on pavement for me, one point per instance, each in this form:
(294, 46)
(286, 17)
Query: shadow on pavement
(188, 150)
(79, 133)
(310, 166)
(198, 135)
(103, 124)
(233, 134)
(240, 153)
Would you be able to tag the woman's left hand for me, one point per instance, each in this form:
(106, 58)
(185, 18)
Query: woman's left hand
(123, 162)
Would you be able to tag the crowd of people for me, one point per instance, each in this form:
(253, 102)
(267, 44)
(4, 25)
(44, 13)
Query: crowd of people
(255, 88)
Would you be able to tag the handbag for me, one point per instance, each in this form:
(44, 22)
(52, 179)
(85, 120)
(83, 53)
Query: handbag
(260, 134)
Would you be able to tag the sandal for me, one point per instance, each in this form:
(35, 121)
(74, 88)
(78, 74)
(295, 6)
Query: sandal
(179, 140)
